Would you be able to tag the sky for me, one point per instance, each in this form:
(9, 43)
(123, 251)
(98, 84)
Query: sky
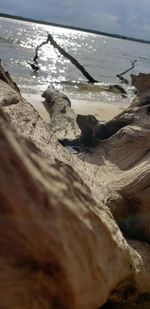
(125, 17)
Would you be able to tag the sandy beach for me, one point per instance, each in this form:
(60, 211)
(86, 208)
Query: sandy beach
(101, 110)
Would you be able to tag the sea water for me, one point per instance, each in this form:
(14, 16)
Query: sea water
(103, 57)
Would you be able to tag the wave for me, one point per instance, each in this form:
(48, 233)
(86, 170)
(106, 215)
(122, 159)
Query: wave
(9, 40)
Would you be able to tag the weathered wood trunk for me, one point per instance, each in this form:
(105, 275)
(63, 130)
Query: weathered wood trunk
(60, 246)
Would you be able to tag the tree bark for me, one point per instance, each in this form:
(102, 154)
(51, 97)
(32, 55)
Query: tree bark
(5, 76)
(57, 267)
(60, 246)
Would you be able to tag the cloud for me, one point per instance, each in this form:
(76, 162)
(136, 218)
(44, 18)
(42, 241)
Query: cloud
(8, 11)
(130, 17)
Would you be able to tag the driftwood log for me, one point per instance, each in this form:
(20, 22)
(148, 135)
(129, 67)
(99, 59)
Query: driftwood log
(62, 116)
(60, 246)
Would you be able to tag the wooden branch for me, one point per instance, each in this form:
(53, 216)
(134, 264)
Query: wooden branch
(37, 49)
(132, 67)
(122, 79)
(66, 55)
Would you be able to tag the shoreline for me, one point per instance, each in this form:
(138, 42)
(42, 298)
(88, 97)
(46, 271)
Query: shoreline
(101, 110)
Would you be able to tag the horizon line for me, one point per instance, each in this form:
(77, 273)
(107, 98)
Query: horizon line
(38, 21)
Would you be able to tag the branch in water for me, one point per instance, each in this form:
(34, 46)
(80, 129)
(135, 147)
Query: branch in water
(66, 55)
(122, 79)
